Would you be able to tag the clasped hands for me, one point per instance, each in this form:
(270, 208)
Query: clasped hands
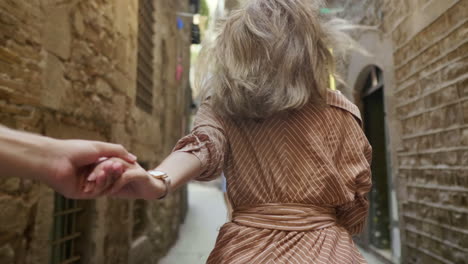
(115, 177)
(77, 170)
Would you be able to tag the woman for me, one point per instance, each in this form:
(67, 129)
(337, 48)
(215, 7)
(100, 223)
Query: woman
(295, 157)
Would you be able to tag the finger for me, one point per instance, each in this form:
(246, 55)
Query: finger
(100, 180)
(112, 177)
(119, 184)
(107, 167)
(114, 150)
(101, 159)
(103, 165)
(126, 192)
(92, 177)
(118, 167)
(89, 187)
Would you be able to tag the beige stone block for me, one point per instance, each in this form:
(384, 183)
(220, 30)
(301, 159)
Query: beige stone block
(124, 17)
(451, 138)
(81, 51)
(122, 83)
(7, 254)
(97, 65)
(53, 128)
(400, 34)
(453, 115)
(465, 112)
(464, 137)
(455, 69)
(43, 223)
(17, 110)
(463, 158)
(55, 85)
(403, 72)
(57, 31)
(455, 38)
(7, 56)
(427, 56)
(121, 111)
(139, 250)
(457, 13)
(13, 215)
(120, 135)
(402, 55)
(103, 88)
(78, 22)
(446, 95)
(10, 185)
(430, 81)
(121, 56)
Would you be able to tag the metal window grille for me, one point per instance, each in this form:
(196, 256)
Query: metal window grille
(145, 69)
(64, 233)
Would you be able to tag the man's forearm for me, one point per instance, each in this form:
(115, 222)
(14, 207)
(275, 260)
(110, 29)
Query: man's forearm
(23, 154)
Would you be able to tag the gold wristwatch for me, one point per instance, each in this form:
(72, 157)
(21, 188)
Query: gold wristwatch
(160, 175)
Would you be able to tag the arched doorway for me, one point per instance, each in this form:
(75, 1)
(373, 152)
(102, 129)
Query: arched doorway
(378, 236)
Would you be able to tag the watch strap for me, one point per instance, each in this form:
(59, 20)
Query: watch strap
(163, 177)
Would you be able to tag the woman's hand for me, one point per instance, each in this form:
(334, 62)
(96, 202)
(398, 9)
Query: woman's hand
(134, 183)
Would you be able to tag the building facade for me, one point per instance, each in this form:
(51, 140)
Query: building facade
(103, 70)
(412, 92)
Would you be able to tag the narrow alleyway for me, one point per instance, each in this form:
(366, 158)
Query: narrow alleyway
(207, 213)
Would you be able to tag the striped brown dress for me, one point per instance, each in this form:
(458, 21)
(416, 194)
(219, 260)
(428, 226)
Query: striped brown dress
(297, 182)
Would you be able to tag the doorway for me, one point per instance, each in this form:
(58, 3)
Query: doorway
(378, 235)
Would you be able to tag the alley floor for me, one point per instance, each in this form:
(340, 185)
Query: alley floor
(207, 213)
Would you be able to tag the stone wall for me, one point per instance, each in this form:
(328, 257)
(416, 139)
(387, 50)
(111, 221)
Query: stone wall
(421, 47)
(431, 67)
(68, 70)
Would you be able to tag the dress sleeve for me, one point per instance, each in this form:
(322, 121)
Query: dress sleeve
(353, 215)
(207, 141)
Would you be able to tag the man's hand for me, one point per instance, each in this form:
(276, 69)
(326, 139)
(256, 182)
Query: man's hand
(72, 161)
(62, 164)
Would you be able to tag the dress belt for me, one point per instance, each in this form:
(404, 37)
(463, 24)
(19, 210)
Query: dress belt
(286, 217)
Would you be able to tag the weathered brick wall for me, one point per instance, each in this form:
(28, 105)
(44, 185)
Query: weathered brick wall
(431, 69)
(426, 103)
(68, 70)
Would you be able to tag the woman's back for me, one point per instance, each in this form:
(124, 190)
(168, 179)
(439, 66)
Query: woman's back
(309, 156)
(296, 160)
(297, 182)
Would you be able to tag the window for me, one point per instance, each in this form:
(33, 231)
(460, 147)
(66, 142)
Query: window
(145, 70)
(64, 232)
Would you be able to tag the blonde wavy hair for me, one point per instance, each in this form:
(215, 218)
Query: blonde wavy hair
(271, 56)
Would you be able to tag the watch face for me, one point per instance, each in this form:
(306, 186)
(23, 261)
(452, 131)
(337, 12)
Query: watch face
(157, 173)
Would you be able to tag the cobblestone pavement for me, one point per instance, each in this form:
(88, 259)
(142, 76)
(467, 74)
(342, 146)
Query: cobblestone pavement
(207, 213)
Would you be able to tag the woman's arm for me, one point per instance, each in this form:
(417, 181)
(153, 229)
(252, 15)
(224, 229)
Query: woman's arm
(197, 156)
(137, 183)
(181, 167)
